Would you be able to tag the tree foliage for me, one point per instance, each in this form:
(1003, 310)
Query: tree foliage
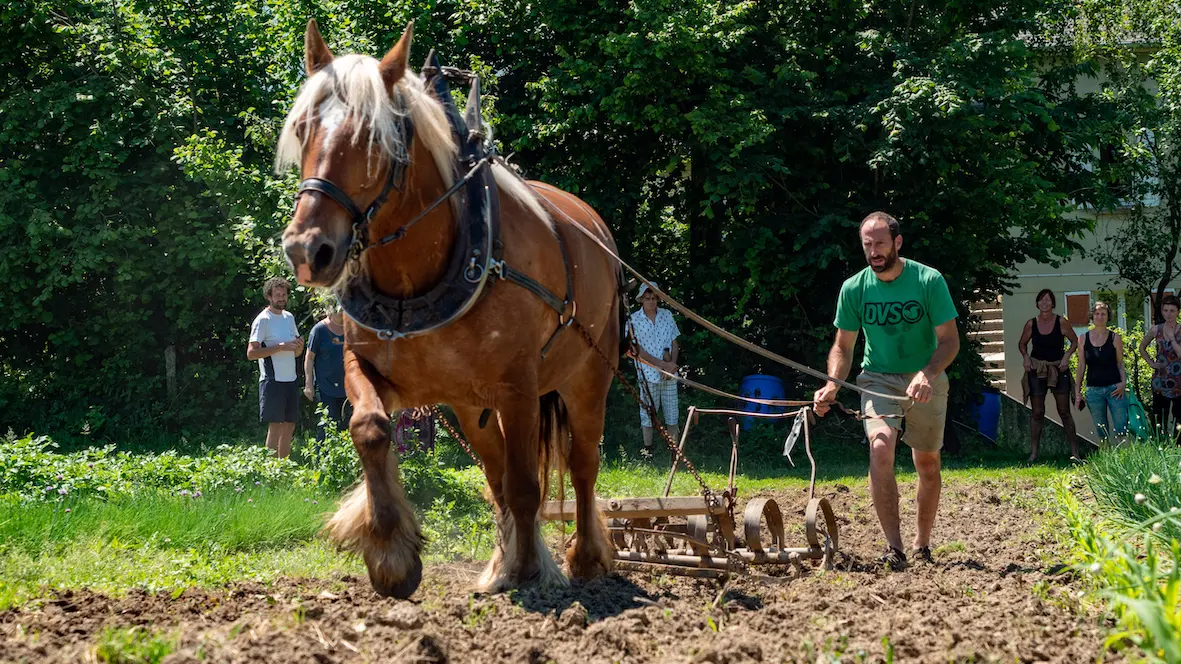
(732, 146)
(1138, 43)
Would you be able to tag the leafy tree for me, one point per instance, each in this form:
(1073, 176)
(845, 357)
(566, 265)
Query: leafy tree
(116, 117)
(735, 146)
(732, 146)
(1138, 44)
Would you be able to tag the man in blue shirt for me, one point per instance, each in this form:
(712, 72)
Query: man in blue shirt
(323, 368)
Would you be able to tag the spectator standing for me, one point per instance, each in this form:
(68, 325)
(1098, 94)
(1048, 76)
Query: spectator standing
(1101, 364)
(323, 368)
(656, 335)
(275, 343)
(1047, 370)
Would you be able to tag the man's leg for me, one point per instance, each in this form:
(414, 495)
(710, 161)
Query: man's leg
(883, 486)
(274, 434)
(289, 393)
(286, 430)
(927, 465)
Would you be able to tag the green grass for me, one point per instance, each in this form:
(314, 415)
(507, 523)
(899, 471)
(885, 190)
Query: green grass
(133, 520)
(1129, 569)
(761, 467)
(256, 518)
(135, 645)
(161, 543)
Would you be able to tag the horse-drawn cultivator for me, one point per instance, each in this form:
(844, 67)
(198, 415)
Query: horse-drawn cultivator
(700, 535)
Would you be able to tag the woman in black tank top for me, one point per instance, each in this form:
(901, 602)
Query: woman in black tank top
(1101, 363)
(1048, 363)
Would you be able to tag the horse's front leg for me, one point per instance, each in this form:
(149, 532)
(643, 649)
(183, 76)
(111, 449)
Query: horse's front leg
(375, 519)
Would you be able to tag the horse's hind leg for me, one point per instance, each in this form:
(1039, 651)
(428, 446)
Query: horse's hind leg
(376, 519)
(526, 558)
(592, 554)
(488, 442)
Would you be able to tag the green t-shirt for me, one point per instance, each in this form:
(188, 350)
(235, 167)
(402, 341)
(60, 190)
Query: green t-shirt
(899, 317)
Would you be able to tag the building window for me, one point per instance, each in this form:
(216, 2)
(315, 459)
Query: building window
(1078, 309)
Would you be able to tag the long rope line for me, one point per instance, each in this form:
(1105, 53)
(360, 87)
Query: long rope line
(691, 315)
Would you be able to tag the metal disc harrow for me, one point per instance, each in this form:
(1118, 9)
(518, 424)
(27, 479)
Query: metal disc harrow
(699, 535)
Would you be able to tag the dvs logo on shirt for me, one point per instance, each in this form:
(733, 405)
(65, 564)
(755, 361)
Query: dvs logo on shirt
(893, 313)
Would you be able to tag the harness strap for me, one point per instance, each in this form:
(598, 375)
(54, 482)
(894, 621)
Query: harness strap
(459, 184)
(530, 284)
(331, 191)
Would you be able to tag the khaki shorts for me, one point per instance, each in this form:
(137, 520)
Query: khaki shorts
(924, 421)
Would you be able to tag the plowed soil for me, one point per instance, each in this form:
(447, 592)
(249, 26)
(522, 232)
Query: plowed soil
(992, 595)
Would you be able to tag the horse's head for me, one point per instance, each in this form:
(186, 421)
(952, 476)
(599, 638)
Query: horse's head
(348, 129)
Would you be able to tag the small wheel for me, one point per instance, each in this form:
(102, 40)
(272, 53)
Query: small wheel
(820, 526)
(698, 528)
(752, 523)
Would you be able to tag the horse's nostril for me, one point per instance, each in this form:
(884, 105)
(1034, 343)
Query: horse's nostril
(323, 257)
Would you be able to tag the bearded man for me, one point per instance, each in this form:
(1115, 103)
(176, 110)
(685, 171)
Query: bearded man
(908, 317)
(275, 343)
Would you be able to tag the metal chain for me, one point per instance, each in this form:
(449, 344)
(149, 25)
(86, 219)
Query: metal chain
(434, 410)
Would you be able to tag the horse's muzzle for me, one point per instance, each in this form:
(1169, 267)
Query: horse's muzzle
(315, 258)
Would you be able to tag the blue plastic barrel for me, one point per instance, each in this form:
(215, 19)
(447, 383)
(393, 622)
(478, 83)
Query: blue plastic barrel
(760, 386)
(988, 414)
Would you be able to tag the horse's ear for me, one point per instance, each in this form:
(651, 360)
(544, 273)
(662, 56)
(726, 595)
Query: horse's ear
(393, 65)
(315, 52)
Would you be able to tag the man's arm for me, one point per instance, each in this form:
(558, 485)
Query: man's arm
(947, 338)
(840, 362)
(256, 351)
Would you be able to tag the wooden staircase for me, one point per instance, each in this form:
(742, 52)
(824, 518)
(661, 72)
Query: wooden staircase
(990, 332)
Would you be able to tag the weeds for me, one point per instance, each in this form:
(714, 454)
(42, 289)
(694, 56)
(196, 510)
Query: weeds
(1129, 481)
(134, 645)
(1133, 572)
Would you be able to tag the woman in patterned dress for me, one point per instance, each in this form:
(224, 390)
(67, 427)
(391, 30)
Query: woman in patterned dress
(1166, 379)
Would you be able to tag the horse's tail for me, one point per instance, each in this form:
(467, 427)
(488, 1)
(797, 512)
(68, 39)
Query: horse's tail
(554, 443)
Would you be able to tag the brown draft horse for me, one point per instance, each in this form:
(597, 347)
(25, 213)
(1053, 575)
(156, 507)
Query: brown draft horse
(345, 127)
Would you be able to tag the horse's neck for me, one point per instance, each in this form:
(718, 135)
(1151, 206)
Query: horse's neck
(418, 261)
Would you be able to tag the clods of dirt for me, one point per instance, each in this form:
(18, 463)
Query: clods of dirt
(992, 595)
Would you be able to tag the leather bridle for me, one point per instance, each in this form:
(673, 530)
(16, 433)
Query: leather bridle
(395, 180)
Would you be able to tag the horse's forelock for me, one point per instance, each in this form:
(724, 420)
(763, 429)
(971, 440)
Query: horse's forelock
(353, 84)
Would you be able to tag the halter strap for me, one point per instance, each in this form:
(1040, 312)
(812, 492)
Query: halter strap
(395, 179)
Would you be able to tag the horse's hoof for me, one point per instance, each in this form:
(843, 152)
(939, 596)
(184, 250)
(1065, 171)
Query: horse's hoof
(404, 588)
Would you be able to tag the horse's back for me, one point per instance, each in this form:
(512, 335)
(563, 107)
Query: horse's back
(566, 208)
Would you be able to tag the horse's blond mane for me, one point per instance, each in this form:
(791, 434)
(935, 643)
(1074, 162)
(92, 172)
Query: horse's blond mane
(353, 86)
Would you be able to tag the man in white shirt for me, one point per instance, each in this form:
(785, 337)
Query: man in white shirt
(275, 343)
(656, 335)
